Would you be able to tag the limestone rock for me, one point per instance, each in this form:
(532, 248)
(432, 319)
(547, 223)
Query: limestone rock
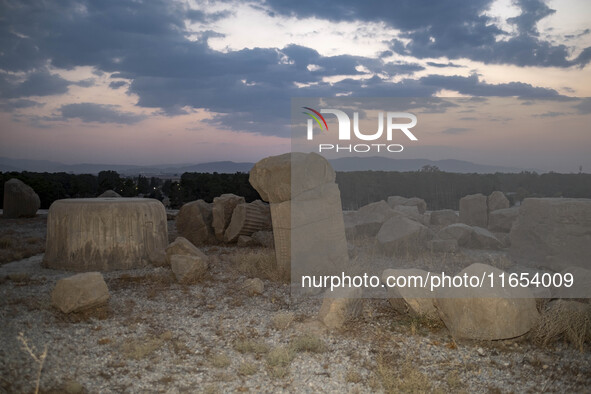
(194, 222)
(460, 232)
(497, 200)
(80, 292)
(254, 286)
(470, 237)
(182, 246)
(483, 239)
(487, 313)
(188, 268)
(263, 238)
(409, 211)
(223, 207)
(400, 235)
(501, 220)
(340, 306)
(444, 217)
(421, 205)
(272, 176)
(110, 194)
(104, 234)
(368, 220)
(412, 299)
(247, 219)
(20, 200)
(443, 245)
(552, 232)
(474, 210)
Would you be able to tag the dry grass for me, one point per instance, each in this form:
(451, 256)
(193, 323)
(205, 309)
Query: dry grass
(401, 378)
(138, 349)
(220, 360)
(247, 369)
(353, 376)
(258, 263)
(282, 320)
(307, 343)
(16, 247)
(564, 320)
(39, 359)
(278, 361)
(248, 345)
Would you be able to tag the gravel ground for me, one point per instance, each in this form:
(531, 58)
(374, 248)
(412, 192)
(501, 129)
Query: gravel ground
(156, 335)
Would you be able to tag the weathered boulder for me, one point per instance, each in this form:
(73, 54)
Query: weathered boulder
(182, 246)
(367, 220)
(400, 235)
(421, 205)
(104, 234)
(483, 239)
(470, 237)
(223, 207)
(474, 210)
(306, 213)
(501, 220)
(412, 298)
(340, 306)
(497, 200)
(460, 232)
(263, 238)
(80, 292)
(409, 211)
(110, 194)
(443, 245)
(487, 313)
(253, 286)
(247, 219)
(280, 178)
(20, 200)
(194, 222)
(444, 217)
(552, 232)
(188, 268)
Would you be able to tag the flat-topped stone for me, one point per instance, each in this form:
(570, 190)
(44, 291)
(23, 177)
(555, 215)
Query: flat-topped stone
(104, 234)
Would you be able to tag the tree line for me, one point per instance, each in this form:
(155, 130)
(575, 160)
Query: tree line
(439, 189)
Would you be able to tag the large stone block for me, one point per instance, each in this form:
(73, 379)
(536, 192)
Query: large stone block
(20, 200)
(400, 235)
(421, 205)
(279, 178)
(497, 200)
(80, 292)
(104, 234)
(194, 222)
(223, 207)
(552, 232)
(443, 217)
(474, 210)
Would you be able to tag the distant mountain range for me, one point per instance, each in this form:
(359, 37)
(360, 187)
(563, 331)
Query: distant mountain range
(341, 164)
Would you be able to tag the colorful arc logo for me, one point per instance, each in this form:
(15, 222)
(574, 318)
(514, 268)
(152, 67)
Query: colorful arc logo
(315, 117)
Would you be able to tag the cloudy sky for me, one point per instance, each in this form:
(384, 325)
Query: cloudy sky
(150, 82)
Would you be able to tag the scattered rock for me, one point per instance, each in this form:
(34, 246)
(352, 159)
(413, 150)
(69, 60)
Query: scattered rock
(460, 232)
(80, 292)
(188, 268)
(245, 241)
(264, 238)
(443, 217)
(487, 313)
(182, 246)
(470, 237)
(254, 286)
(552, 233)
(223, 207)
(194, 222)
(502, 220)
(110, 194)
(20, 200)
(483, 239)
(497, 200)
(411, 212)
(421, 205)
(340, 306)
(367, 221)
(474, 210)
(400, 235)
(248, 219)
(443, 245)
(412, 298)
(104, 234)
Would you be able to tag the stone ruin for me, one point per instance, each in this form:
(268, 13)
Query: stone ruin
(104, 234)
(306, 212)
(20, 200)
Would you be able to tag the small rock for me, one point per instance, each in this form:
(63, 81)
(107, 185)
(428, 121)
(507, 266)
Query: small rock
(80, 292)
(254, 286)
(340, 306)
(182, 246)
(264, 238)
(186, 268)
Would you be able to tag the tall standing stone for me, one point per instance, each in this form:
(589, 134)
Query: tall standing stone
(497, 200)
(223, 207)
(306, 212)
(20, 200)
(474, 210)
(104, 234)
(194, 222)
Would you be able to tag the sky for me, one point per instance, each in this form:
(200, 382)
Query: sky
(163, 82)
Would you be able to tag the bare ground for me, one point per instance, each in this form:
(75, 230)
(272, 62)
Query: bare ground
(156, 335)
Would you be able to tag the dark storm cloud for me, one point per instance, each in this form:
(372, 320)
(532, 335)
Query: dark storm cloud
(443, 65)
(9, 105)
(117, 84)
(146, 44)
(452, 29)
(90, 112)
